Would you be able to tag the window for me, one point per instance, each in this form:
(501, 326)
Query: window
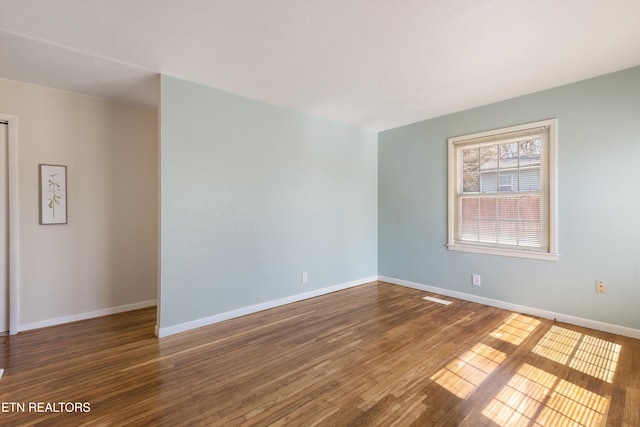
(502, 191)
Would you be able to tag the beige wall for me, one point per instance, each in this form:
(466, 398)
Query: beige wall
(105, 257)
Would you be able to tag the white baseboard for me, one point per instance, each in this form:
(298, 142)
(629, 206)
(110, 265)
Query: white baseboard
(205, 321)
(560, 317)
(88, 315)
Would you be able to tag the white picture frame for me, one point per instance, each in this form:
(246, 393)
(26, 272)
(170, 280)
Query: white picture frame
(53, 194)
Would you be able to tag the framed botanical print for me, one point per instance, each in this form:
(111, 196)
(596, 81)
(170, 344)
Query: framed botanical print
(53, 194)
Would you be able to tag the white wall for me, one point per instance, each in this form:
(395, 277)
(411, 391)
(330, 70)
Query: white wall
(598, 203)
(105, 257)
(253, 195)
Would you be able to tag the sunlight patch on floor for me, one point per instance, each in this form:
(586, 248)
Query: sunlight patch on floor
(571, 405)
(464, 374)
(596, 357)
(584, 353)
(519, 400)
(557, 344)
(563, 403)
(516, 328)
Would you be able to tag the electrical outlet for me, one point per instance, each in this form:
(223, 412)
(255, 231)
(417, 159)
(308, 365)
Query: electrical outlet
(305, 277)
(601, 288)
(475, 279)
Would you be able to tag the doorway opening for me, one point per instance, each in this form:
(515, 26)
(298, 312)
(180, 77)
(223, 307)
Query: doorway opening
(8, 224)
(4, 229)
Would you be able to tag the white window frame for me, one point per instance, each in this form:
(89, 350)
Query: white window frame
(455, 165)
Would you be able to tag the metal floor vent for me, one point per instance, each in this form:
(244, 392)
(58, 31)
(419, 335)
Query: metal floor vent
(438, 300)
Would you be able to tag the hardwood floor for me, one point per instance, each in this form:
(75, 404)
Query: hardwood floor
(376, 354)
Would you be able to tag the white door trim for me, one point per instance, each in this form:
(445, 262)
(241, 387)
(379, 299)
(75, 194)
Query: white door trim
(14, 279)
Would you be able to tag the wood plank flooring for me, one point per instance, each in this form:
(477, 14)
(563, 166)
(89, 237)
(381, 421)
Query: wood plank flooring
(372, 355)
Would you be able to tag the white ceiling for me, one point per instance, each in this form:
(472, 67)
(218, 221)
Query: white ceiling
(376, 64)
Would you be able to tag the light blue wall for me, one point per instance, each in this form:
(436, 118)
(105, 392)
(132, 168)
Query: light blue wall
(252, 195)
(598, 198)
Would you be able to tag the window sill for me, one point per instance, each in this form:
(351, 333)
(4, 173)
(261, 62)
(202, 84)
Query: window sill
(503, 252)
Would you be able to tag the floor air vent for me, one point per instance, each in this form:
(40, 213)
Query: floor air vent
(438, 300)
